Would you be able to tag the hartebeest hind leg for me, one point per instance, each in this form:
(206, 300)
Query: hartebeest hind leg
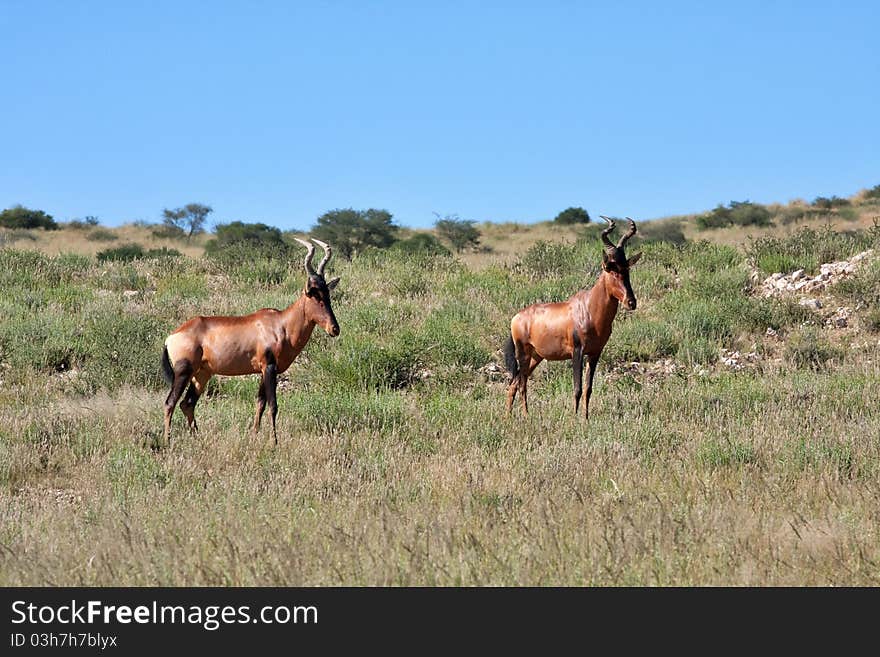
(188, 405)
(267, 395)
(182, 374)
(525, 372)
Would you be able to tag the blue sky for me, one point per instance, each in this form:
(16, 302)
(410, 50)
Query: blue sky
(279, 111)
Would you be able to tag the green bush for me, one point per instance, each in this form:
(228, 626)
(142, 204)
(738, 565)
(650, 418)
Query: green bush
(661, 230)
(359, 363)
(237, 240)
(737, 213)
(21, 217)
(83, 224)
(641, 339)
(421, 244)
(167, 232)
(550, 259)
(101, 235)
(574, 215)
(828, 203)
(124, 253)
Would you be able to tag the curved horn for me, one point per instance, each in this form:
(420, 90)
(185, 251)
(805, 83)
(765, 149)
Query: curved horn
(327, 253)
(629, 233)
(310, 270)
(609, 247)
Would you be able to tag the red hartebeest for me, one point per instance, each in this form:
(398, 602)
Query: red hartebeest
(265, 342)
(573, 329)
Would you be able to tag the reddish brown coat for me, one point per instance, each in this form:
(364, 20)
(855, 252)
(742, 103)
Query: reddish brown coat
(575, 329)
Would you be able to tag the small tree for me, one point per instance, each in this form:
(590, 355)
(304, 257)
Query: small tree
(19, 216)
(461, 233)
(350, 231)
(573, 215)
(190, 218)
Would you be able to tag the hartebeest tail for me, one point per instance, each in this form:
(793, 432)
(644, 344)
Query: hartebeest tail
(576, 329)
(167, 369)
(510, 360)
(265, 342)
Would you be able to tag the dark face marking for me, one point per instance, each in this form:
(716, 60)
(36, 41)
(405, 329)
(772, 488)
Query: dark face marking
(617, 267)
(317, 291)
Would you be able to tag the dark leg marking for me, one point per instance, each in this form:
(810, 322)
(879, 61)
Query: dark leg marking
(271, 382)
(188, 406)
(182, 374)
(592, 362)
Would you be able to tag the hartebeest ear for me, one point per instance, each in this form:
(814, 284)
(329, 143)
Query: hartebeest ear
(634, 259)
(332, 283)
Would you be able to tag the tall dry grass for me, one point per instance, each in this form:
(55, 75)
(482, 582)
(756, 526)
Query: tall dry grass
(396, 463)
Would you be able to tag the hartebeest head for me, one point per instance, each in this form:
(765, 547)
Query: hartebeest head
(317, 291)
(616, 265)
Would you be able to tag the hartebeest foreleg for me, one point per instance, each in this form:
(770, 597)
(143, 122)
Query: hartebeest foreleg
(592, 360)
(577, 366)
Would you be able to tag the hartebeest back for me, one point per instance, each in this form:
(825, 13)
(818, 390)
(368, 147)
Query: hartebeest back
(575, 329)
(265, 342)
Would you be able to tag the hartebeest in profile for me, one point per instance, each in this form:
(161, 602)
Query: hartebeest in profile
(575, 329)
(265, 342)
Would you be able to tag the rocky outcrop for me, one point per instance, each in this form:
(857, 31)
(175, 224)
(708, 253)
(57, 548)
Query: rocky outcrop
(799, 282)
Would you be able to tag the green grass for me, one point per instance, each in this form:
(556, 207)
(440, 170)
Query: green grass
(397, 463)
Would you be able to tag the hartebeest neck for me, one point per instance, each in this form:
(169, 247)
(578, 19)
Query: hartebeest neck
(297, 325)
(603, 305)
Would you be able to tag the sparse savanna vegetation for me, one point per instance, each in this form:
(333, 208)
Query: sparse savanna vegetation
(396, 463)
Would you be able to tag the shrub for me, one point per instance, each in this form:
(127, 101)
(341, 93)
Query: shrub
(238, 241)
(101, 235)
(549, 259)
(872, 319)
(460, 233)
(641, 340)
(163, 252)
(423, 244)
(662, 230)
(574, 215)
(873, 193)
(167, 232)
(82, 224)
(828, 203)
(737, 213)
(808, 248)
(21, 217)
(124, 253)
(807, 348)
